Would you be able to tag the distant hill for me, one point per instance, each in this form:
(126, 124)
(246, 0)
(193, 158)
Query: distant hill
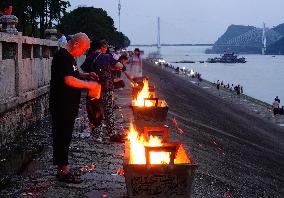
(278, 46)
(246, 39)
(232, 32)
(279, 29)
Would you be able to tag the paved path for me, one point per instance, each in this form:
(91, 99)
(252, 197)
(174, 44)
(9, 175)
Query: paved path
(98, 163)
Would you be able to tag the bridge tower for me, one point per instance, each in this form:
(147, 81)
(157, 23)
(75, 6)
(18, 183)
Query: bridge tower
(158, 36)
(263, 40)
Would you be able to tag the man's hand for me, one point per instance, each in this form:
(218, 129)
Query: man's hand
(93, 76)
(89, 76)
(94, 90)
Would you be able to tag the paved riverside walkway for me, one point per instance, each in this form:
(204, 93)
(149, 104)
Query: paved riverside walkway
(238, 152)
(96, 162)
(245, 102)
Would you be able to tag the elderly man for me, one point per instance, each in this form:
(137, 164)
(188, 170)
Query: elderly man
(65, 93)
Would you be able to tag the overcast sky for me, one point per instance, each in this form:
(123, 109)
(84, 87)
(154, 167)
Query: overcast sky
(187, 21)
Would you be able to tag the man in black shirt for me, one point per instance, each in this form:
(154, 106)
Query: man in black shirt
(65, 93)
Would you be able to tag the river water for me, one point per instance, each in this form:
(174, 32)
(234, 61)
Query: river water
(262, 76)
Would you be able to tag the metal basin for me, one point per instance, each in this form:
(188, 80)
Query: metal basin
(173, 180)
(158, 112)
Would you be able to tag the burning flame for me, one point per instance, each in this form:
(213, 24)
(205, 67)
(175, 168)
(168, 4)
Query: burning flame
(144, 93)
(137, 149)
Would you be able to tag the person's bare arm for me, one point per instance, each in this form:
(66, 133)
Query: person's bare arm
(128, 76)
(75, 82)
(89, 76)
(133, 83)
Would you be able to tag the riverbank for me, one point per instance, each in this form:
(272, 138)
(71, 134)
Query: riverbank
(238, 152)
(256, 106)
(261, 76)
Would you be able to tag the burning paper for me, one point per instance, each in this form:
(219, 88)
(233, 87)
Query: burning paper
(144, 93)
(137, 149)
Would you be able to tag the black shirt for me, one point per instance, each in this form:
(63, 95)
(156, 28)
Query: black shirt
(63, 99)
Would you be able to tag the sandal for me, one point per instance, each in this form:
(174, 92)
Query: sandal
(68, 178)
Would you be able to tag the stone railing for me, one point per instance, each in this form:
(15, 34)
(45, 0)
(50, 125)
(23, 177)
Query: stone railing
(24, 78)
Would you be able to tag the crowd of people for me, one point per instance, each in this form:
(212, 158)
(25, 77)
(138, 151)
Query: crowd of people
(178, 70)
(238, 89)
(99, 71)
(234, 89)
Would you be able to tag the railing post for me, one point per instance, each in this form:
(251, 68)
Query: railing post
(1, 51)
(18, 64)
(9, 23)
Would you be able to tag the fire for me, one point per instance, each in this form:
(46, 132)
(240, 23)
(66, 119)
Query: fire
(137, 149)
(144, 93)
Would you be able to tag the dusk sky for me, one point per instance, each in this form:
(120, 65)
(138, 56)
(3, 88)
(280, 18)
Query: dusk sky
(187, 21)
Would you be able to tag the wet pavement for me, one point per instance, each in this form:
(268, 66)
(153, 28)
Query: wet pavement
(96, 162)
(239, 152)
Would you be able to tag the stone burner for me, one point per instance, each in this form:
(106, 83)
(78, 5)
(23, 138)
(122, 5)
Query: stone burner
(146, 177)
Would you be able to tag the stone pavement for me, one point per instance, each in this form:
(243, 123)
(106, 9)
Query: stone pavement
(96, 162)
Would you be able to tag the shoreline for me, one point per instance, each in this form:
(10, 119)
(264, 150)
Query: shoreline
(244, 96)
(257, 107)
(226, 140)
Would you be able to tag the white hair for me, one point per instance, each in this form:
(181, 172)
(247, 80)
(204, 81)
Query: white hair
(79, 37)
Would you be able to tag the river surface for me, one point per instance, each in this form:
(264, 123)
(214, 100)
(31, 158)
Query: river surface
(262, 76)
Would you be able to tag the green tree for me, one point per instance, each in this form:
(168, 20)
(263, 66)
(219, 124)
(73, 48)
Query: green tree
(37, 15)
(95, 23)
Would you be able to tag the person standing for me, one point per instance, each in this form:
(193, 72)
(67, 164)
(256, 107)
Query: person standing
(218, 87)
(275, 106)
(62, 40)
(136, 64)
(116, 53)
(64, 99)
(277, 99)
(103, 64)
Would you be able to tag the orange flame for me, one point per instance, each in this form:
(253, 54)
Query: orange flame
(144, 93)
(137, 149)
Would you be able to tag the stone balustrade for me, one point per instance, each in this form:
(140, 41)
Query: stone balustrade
(24, 78)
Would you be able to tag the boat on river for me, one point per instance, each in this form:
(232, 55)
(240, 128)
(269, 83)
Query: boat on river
(227, 58)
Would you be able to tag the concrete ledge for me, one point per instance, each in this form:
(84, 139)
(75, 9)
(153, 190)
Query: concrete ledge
(14, 121)
(14, 102)
(5, 37)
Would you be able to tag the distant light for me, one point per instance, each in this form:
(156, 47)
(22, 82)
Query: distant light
(161, 61)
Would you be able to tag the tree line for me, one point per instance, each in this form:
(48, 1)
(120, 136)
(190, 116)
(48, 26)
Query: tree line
(95, 23)
(37, 15)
